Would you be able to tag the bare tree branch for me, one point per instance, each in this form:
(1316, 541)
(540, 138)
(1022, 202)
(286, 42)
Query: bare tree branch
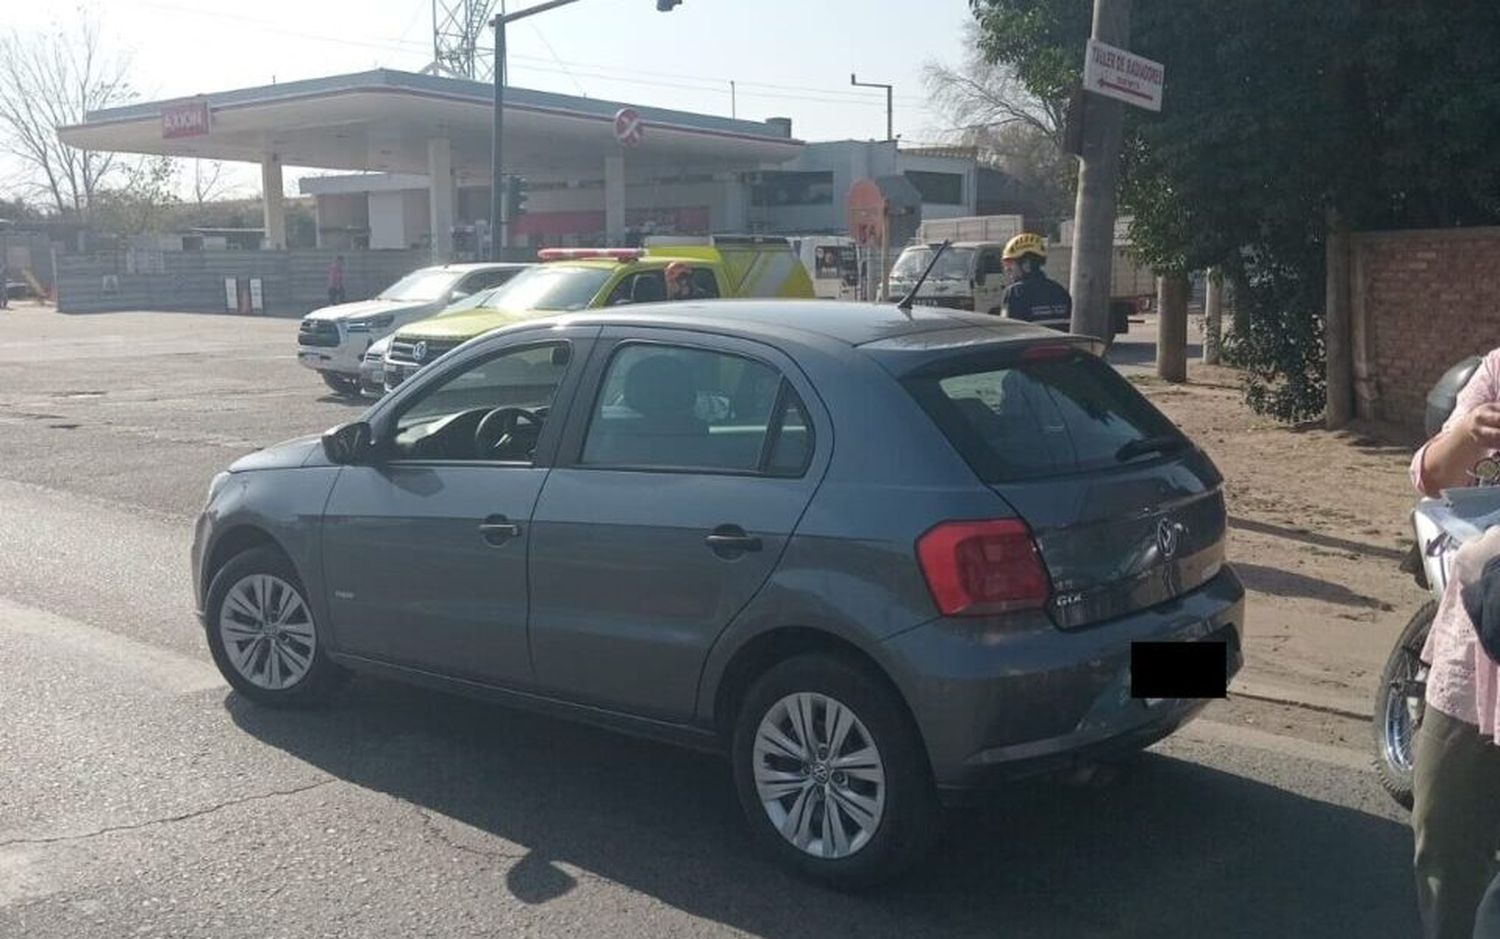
(50, 80)
(207, 183)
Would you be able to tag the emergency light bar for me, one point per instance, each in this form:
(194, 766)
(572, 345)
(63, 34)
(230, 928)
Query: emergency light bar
(579, 254)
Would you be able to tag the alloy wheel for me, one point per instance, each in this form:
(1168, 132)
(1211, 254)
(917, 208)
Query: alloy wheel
(819, 775)
(268, 632)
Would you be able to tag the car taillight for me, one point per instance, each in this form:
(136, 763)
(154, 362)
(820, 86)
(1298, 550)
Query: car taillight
(981, 568)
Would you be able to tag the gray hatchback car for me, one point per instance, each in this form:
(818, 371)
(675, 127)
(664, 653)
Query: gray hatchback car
(879, 558)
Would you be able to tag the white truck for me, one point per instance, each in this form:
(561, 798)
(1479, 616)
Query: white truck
(973, 277)
(832, 261)
(996, 228)
(333, 340)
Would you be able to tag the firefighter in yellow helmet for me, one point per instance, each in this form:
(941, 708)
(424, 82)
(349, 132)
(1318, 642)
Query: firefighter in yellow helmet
(1032, 296)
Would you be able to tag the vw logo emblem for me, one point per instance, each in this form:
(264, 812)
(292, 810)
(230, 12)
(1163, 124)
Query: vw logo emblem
(419, 351)
(1168, 536)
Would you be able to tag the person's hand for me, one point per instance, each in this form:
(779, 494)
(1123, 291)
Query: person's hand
(1482, 426)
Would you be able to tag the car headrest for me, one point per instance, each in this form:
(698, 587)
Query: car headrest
(660, 387)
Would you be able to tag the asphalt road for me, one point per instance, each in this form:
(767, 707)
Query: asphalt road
(138, 796)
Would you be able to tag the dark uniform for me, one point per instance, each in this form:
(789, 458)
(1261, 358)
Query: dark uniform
(1036, 298)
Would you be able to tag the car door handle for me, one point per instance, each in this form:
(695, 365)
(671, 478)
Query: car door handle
(497, 529)
(731, 539)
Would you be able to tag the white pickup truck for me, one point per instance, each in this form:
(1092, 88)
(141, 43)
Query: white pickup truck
(333, 340)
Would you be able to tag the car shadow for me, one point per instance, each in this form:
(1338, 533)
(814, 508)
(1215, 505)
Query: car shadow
(1284, 583)
(1171, 849)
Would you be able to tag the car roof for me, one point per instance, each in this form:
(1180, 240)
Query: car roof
(480, 266)
(880, 326)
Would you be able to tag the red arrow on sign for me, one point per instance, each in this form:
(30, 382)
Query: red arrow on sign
(1129, 91)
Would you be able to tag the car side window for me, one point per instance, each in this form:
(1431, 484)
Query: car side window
(705, 286)
(483, 280)
(990, 263)
(680, 408)
(490, 410)
(641, 287)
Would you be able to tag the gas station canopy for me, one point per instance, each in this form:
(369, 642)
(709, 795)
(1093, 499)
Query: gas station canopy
(383, 121)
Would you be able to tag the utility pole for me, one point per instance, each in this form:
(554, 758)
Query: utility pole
(734, 110)
(890, 125)
(497, 157)
(1098, 178)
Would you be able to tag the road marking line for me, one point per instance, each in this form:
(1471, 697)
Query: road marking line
(162, 668)
(1213, 732)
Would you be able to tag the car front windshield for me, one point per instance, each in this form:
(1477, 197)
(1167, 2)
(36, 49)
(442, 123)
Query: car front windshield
(551, 288)
(474, 302)
(954, 264)
(421, 286)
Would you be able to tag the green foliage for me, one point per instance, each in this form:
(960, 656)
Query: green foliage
(139, 206)
(1276, 111)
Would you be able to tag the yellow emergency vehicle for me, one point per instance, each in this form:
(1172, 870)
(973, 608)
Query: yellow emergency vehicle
(586, 278)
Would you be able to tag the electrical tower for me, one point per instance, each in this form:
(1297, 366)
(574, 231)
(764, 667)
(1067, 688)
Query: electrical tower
(457, 28)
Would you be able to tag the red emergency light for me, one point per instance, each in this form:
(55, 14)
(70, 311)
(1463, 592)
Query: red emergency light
(579, 254)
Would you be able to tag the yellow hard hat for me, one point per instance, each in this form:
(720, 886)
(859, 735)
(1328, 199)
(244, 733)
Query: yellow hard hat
(1025, 243)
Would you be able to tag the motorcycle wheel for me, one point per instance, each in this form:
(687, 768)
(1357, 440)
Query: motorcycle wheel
(1399, 705)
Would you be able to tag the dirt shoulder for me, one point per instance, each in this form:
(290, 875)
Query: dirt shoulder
(1318, 526)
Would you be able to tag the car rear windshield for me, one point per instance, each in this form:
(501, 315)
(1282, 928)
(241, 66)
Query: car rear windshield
(1069, 412)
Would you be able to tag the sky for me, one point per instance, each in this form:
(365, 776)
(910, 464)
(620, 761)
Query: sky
(788, 58)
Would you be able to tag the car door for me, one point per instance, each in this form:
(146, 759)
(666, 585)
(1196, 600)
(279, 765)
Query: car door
(425, 549)
(683, 471)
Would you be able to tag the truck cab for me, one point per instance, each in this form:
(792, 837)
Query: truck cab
(968, 276)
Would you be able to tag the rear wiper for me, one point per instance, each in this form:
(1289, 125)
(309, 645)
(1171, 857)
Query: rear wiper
(1165, 443)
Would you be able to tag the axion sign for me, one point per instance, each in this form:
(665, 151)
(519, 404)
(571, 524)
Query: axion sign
(1116, 73)
(188, 119)
(628, 127)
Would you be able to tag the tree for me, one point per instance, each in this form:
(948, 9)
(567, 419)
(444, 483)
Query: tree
(207, 182)
(1010, 127)
(1275, 112)
(140, 206)
(50, 81)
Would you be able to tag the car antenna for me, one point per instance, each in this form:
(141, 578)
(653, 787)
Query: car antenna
(911, 295)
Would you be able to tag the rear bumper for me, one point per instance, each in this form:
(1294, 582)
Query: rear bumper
(1026, 701)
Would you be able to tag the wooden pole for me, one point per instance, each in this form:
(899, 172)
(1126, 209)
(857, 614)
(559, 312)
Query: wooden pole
(1171, 327)
(1337, 334)
(1098, 180)
(1213, 316)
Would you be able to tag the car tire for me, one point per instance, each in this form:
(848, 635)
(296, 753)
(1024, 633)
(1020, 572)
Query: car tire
(342, 385)
(278, 658)
(845, 852)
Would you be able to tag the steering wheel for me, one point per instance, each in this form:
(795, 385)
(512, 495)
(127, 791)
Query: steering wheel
(501, 429)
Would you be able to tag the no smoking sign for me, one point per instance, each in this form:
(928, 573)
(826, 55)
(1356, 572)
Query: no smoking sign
(628, 127)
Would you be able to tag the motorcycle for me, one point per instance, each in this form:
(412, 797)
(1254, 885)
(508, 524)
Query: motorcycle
(1400, 696)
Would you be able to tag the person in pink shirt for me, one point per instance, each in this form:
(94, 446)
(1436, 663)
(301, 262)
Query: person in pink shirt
(1456, 775)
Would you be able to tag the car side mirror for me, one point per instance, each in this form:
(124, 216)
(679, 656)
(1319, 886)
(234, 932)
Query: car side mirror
(458, 295)
(979, 279)
(349, 444)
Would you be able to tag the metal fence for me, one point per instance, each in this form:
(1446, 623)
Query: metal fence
(290, 283)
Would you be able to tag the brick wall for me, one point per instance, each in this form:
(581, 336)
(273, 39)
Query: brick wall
(1421, 301)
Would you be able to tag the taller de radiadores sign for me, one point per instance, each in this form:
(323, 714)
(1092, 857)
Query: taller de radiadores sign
(188, 119)
(1116, 73)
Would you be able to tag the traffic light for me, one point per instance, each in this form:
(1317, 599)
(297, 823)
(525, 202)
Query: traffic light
(515, 194)
(665, 6)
